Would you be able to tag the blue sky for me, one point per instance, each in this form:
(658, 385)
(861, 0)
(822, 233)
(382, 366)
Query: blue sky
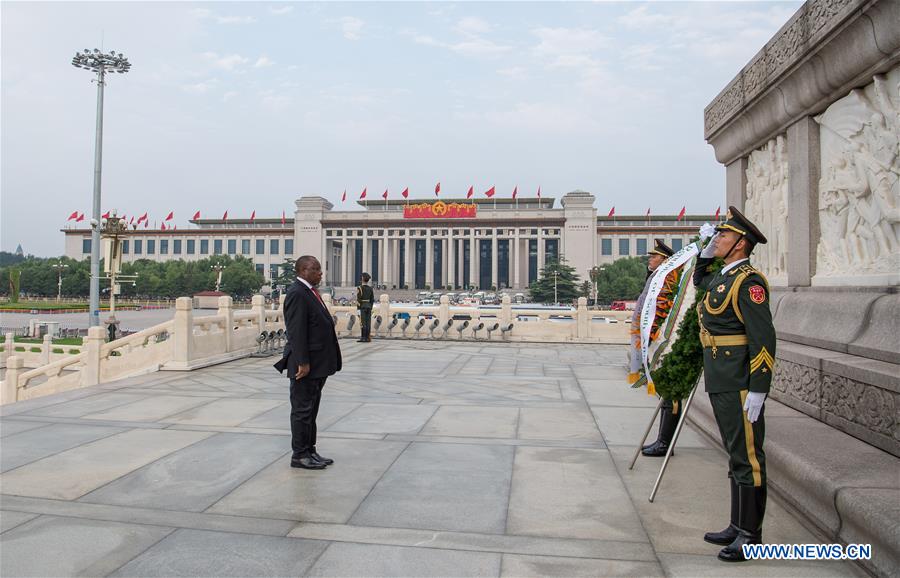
(247, 106)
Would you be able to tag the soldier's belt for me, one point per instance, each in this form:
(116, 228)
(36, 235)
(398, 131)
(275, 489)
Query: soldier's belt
(722, 340)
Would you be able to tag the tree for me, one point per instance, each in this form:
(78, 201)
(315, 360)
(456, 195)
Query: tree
(14, 278)
(286, 275)
(622, 279)
(556, 273)
(586, 288)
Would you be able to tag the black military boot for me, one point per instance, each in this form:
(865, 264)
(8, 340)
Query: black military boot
(727, 536)
(668, 421)
(752, 510)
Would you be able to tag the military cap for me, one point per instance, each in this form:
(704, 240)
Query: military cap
(661, 249)
(737, 222)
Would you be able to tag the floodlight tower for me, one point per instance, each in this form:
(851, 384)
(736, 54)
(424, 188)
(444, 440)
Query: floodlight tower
(101, 64)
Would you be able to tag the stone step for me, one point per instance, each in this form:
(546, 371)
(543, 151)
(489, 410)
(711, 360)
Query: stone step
(849, 489)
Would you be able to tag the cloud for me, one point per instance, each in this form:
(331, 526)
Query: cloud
(281, 10)
(472, 45)
(275, 102)
(263, 62)
(471, 26)
(200, 87)
(515, 72)
(229, 95)
(235, 19)
(642, 19)
(569, 47)
(230, 62)
(351, 27)
(201, 13)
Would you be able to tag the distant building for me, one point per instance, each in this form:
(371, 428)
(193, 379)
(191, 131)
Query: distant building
(19, 251)
(443, 243)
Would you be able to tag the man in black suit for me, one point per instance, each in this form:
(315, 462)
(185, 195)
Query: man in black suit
(312, 354)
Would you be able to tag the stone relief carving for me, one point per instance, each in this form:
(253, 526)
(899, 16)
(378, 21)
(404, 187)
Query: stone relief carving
(866, 405)
(798, 381)
(859, 188)
(767, 205)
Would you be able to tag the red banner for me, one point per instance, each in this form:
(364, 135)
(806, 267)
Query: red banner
(440, 210)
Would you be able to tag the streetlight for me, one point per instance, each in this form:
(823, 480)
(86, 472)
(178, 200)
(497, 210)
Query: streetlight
(101, 64)
(113, 229)
(59, 266)
(595, 276)
(218, 269)
(555, 280)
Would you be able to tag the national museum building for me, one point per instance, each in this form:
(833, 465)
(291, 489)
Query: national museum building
(483, 243)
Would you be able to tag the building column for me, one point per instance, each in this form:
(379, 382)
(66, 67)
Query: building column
(451, 263)
(514, 255)
(367, 257)
(473, 260)
(429, 260)
(345, 261)
(495, 261)
(736, 182)
(540, 251)
(804, 162)
(383, 261)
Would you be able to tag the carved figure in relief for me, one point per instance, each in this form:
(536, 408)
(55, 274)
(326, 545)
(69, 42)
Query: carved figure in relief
(859, 191)
(767, 203)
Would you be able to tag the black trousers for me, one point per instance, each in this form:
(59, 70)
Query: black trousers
(365, 323)
(742, 440)
(305, 397)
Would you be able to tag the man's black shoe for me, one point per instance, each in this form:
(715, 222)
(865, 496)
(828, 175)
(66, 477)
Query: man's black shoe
(734, 552)
(723, 538)
(320, 459)
(307, 463)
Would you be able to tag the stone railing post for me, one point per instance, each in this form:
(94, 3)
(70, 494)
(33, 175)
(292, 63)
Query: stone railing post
(9, 347)
(505, 310)
(183, 331)
(90, 371)
(46, 348)
(444, 310)
(384, 309)
(258, 306)
(10, 390)
(583, 317)
(226, 309)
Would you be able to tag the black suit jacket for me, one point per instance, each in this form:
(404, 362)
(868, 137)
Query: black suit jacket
(310, 334)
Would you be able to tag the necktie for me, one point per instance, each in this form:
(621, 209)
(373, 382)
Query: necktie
(319, 297)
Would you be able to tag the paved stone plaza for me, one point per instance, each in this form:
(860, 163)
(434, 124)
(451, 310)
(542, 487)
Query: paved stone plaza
(452, 459)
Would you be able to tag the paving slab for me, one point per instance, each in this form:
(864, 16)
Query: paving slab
(34, 444)
(616, 392)
(330, 495)
(73, 473)
(690, 566)
(442, 487)
(223, 412)
(488, 422)
(9, 427)
(150, 409)
(86, 405)
(570, 493)
(192, 553)
(624, 426)
(194, 478)
(384, 418)
(50, 546)
(374, 561)
(516, 566)
(10, 519)
(558, 424)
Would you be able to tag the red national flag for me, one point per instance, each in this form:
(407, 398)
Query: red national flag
(384, 194)
(471, 192)
(718, 210)
(170, 216)
(681, 214)
(344, 196)
(79, 218)
(162, 226)
(175, 227)
(405, 193)
(73, 216)
(105, 215)
(363, 195)
(253, 216)
(648, 211)
(282, 217)
(146, 223)
(225, 216)
(490, 192)
(612, 212)
(131, 222)
(539, 191)
(515, 191)
(437, 188)
(142, 218)
(196, 215)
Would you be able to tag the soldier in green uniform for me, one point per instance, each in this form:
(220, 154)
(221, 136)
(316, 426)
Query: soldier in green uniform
(365, 299)
(738, 340)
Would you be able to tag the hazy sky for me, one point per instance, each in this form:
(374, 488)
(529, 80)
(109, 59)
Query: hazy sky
(247, 106)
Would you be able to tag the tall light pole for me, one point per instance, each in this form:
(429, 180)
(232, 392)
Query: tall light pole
(59, 266)
(101, 64)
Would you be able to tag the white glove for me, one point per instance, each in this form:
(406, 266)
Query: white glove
(707, 231)
(753, 405)
(709, 251)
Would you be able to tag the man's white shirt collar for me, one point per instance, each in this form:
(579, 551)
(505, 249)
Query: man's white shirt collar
(305, 282)
(732, 265)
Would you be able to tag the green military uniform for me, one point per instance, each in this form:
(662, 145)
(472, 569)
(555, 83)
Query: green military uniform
(365, 300)
(738, 340)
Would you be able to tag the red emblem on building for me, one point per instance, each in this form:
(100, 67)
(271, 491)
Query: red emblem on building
(440, 210)
(757, 294)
